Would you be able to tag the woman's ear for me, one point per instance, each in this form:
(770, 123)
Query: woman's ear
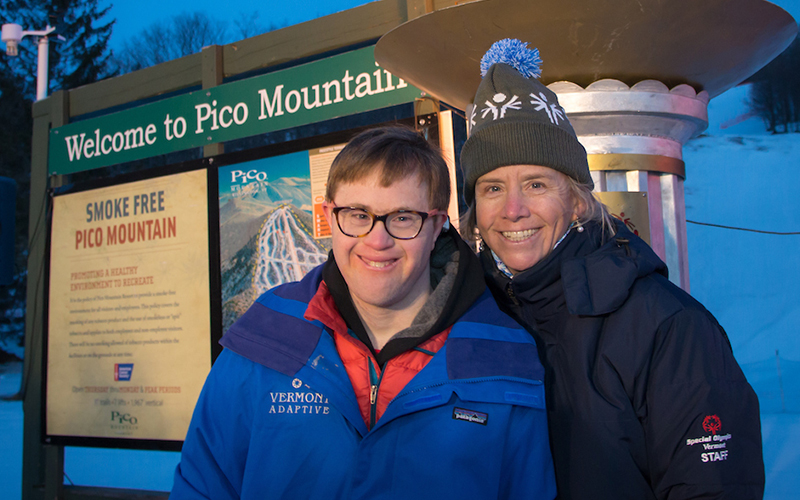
(578, 207)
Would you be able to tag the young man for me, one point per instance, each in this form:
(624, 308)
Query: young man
(387, 372)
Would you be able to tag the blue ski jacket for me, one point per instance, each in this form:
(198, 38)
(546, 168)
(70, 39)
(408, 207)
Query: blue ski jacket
(278, 417)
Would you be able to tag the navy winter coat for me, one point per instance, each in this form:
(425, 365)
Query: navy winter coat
(644, 397)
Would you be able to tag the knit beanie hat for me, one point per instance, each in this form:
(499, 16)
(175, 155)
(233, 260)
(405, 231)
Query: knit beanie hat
(516, 120)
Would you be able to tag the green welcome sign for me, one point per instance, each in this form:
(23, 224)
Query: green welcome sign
(336, 86)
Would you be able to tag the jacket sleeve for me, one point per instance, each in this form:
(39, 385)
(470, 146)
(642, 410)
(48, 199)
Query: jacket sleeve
(215, 449)
(702, 423)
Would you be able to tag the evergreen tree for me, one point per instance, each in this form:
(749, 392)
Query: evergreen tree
(85, 55)
(775, 91)
(80, 59)
(15, 156)
(163, 41)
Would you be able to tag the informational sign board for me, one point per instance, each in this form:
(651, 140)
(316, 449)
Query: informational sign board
(336, 86)
(320, 161)
(129, 328)
(272, 229)
(272, 226)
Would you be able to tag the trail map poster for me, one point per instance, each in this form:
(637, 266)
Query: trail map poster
(272, 229)
(129, 309)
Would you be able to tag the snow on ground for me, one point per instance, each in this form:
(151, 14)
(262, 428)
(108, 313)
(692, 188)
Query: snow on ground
(781, 434)
(743, 177)
(740, 176)
(136, 469)
(747, 278)
(11, 424)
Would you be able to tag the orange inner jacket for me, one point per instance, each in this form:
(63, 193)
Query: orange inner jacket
(374, 387)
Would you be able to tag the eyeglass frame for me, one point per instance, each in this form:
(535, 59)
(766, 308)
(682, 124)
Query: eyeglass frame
(335, 210)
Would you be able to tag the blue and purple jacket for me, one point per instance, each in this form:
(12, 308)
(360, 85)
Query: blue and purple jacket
(278, 416)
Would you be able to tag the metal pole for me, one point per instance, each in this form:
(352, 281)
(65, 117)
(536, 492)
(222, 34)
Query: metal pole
(41, 70)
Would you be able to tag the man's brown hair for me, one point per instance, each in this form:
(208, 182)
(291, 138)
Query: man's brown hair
(394, 153)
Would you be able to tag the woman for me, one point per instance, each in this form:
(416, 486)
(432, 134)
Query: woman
(644, 397)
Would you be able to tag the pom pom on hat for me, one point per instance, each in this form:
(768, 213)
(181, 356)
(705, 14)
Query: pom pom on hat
(517, 120)
(516, 54)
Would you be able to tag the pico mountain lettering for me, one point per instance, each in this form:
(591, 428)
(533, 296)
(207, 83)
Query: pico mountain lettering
(312, 92)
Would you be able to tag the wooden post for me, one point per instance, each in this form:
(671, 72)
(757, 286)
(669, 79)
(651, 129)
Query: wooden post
(212, 76)
(42, 465)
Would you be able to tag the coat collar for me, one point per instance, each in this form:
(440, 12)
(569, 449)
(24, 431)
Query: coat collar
(591, 272)
(466, 286)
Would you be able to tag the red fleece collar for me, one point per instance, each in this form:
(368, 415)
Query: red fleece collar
(323, 308)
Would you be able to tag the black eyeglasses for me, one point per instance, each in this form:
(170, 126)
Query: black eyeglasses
(401, 225)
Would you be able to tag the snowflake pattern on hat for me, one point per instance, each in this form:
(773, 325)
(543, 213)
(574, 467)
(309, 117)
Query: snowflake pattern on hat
(554, 111)
(513, 103)
(501, 106)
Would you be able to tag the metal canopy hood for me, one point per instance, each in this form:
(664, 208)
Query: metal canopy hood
(711, 45)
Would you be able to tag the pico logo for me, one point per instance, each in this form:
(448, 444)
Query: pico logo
(123, 371)
(249, 176)
(123, 418)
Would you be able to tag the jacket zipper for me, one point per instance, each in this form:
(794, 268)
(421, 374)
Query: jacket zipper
(511, 295)
(374, 384)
